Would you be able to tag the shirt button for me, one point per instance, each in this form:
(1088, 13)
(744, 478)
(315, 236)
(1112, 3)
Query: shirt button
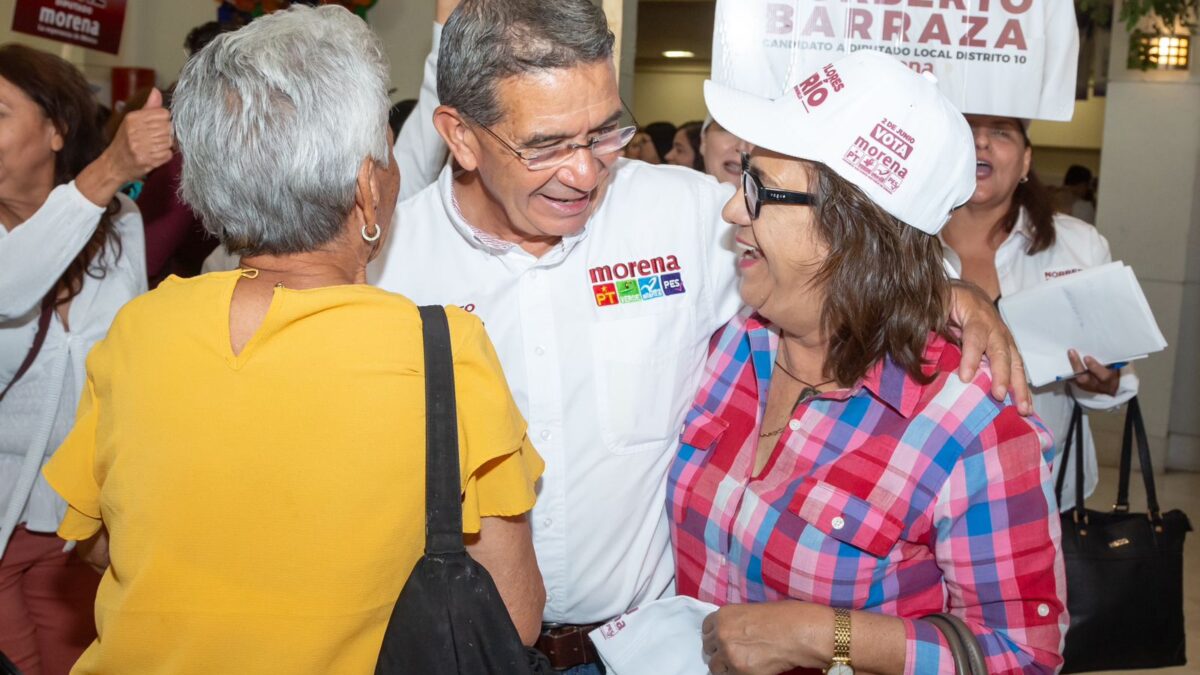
(838, 523)
(1043, 609)
(794, 425)
(546, 435)
(539, 350)
(533, 274)
(547, 522)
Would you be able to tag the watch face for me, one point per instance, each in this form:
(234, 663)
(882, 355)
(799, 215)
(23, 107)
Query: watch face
(840, 669)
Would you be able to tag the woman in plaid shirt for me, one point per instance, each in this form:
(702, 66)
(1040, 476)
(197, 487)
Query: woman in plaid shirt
(837, 481)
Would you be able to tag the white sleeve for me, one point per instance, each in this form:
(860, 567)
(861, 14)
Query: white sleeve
(420, 152)
(35, 254)
(722, 253)
(133, 242)
(1127, 389)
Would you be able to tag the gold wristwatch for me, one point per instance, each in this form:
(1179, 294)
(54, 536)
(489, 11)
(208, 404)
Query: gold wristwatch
(841, 644)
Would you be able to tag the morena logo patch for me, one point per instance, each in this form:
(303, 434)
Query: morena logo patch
(636, 281)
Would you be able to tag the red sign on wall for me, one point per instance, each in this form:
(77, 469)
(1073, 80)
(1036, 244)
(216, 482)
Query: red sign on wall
(95, 24)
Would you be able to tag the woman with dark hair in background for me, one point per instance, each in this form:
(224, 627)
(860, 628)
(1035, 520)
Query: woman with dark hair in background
(685, 149)
(652, 142)
(1008, 238)
(71, 252)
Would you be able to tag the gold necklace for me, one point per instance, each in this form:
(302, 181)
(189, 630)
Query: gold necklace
(809, 391)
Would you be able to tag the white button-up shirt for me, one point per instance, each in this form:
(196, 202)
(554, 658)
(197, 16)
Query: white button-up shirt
(602, 340)
(1077, 246)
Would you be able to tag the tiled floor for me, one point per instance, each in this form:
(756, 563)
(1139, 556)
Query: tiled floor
(1175, 491)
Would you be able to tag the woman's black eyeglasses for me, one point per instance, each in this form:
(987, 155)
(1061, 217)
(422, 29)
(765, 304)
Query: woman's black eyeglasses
(757, 194)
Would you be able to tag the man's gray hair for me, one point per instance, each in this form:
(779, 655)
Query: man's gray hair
(486, 41)
(274, 121)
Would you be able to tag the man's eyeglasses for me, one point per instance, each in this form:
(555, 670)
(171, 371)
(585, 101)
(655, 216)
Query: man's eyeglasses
(606, 143)
(544, 158)
(757, 194)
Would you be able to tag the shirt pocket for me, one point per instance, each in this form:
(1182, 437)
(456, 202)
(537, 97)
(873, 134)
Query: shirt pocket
(702, 429)
(701, 433)
(845, 517)
(642, 381)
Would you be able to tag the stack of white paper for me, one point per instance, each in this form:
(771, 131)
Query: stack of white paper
(1099, 312)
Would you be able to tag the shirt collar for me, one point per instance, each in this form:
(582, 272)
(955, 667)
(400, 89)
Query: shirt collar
(890, 383)
(1021, 227)
(886, 380)
(489, 242)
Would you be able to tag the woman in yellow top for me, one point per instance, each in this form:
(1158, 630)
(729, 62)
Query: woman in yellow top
(253, 441)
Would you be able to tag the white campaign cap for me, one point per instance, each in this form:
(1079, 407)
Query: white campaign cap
(874, 122)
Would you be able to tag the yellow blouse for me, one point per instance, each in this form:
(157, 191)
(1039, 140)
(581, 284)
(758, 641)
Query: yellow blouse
(266, 508)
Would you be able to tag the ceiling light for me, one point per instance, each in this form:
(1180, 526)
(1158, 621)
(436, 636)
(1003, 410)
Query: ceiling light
(678, 54)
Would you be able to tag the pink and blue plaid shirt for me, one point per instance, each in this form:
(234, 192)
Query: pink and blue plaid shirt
(892, 496)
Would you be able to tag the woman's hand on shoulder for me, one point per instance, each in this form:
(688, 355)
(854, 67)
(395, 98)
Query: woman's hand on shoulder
(763, 638)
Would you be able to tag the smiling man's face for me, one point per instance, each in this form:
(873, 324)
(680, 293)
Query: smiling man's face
(541, 110)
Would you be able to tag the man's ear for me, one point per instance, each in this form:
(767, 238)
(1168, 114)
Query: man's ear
(459, 136)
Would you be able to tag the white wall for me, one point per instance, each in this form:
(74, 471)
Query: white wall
(1150, 211)
(155, 29)
(670, 94)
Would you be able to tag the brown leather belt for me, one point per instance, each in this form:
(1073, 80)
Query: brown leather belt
(567, 646)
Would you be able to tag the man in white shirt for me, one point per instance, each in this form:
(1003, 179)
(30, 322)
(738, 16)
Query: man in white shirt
(600, 281)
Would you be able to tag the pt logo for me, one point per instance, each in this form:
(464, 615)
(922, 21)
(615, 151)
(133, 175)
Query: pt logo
(636, 281)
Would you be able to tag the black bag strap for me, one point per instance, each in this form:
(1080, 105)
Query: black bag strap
(39, 339)
(1074, 440)
(1122, 503)
(1135, 430)
(443, 492)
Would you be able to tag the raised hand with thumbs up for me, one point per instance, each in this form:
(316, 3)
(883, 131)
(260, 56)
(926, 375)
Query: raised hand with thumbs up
(142, 143)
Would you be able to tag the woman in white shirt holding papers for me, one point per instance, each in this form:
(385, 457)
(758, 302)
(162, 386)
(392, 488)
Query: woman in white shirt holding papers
(1007, 238)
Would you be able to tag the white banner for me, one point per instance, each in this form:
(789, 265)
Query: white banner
(1014, 58)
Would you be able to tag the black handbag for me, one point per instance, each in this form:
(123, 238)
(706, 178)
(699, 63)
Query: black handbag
(1124, 570)
(449, 618)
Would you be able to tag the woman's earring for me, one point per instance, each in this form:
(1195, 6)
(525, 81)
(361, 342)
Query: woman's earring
(371, 237)
(1024, 179)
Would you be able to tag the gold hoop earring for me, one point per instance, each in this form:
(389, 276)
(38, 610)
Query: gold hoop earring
(371, 237)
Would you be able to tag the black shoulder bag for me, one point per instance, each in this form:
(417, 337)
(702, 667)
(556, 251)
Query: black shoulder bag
(1124, 570)
(449, 618)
